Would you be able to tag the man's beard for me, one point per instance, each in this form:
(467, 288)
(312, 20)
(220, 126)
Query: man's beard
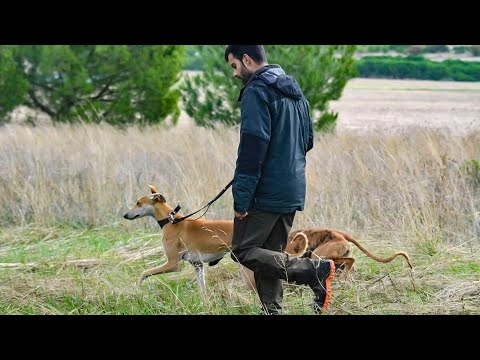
(245, 75)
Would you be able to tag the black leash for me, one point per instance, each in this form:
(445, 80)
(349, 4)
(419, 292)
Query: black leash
(171, 219)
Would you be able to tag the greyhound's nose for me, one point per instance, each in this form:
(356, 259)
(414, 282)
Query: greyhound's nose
(125, 216)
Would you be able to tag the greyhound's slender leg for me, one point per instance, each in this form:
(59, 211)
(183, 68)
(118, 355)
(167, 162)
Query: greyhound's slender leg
(169, 266)
(200, 275)
(347, 263)
(172, 264)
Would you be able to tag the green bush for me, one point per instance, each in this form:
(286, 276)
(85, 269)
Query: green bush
(461, 49)
(12, 85)
(327, 122)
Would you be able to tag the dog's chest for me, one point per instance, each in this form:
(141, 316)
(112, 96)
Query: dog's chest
(196, 256)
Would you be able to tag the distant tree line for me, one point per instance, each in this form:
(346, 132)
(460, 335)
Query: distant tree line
(419, 49)
(417, 67)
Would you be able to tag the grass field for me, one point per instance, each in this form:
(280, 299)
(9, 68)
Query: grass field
(65, 248)
(60, 270)
(399, 106)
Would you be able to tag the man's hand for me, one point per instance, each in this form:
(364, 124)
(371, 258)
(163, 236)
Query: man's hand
(240, 216)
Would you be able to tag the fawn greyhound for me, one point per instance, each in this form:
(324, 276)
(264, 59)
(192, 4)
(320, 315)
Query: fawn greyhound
(334, 245)
(196, 241)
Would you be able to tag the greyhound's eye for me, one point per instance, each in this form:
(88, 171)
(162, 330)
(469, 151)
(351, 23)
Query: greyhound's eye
(138, 203)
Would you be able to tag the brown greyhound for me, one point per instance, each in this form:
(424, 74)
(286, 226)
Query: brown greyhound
(197, 241)
(332, 244)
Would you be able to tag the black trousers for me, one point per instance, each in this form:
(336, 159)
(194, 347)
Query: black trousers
(258, 242)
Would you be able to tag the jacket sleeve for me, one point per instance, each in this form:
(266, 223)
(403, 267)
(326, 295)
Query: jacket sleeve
(255, 133)
(310, 130)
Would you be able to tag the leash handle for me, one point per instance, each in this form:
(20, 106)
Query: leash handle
(221, 192)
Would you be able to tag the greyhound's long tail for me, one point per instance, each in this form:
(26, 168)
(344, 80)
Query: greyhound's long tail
(298, 245)
(375, 257)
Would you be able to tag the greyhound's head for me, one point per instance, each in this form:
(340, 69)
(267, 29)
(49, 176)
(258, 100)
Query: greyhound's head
(145, 205)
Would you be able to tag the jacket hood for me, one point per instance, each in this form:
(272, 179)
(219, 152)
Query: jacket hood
(274, 76)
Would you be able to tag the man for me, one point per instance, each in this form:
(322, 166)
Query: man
(269, 184)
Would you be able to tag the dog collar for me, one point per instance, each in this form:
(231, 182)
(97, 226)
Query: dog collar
(170, 217)
(163, 222)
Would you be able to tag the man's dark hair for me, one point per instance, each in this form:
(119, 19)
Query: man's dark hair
(256, 52)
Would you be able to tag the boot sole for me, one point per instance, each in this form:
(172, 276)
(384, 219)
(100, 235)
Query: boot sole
(328, 296)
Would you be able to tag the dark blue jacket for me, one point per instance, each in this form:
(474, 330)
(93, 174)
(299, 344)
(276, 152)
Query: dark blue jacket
(275, 135)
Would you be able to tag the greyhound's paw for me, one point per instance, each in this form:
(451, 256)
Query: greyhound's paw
(142, 279)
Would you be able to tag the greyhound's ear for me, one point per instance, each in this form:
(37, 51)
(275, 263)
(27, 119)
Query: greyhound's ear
(153, 189)
(158, 197)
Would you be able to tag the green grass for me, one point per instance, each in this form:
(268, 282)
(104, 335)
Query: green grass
(107, 281)
(464, 268)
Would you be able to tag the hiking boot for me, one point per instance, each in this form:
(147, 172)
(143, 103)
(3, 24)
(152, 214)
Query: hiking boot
(325, 270)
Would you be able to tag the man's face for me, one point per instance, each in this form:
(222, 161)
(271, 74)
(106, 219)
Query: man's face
(239, 70)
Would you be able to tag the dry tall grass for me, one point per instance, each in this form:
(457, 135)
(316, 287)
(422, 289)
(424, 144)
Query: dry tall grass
(413, 186)
(408, 192)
